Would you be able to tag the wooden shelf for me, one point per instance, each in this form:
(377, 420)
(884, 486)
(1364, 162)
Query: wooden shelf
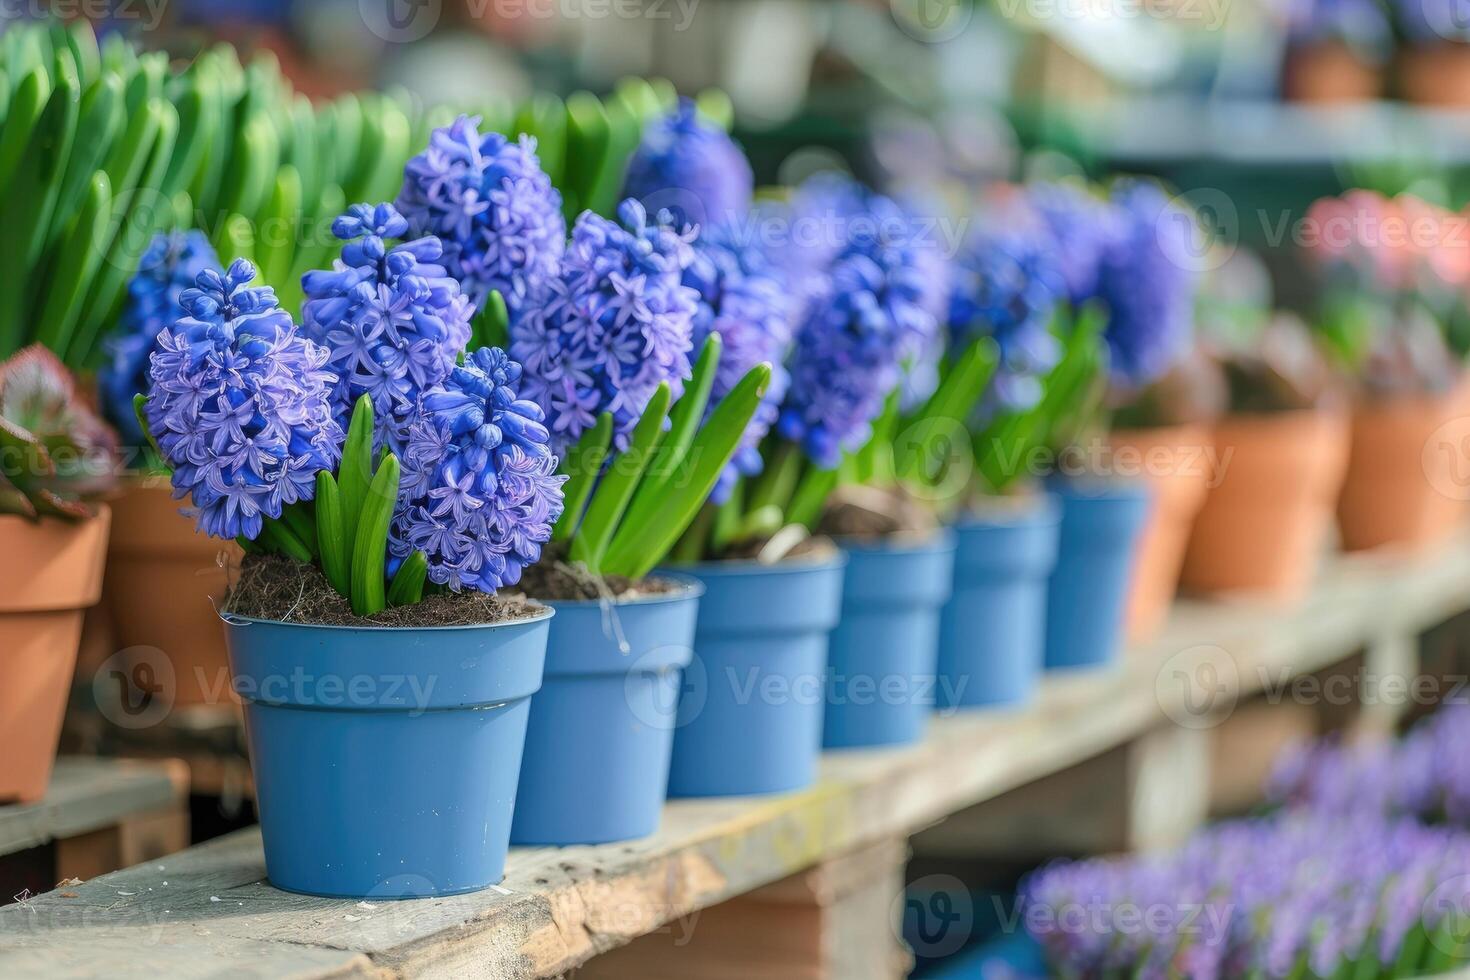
(558, 908)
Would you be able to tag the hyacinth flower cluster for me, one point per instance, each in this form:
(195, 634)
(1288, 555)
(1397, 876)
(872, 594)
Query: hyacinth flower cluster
(1007, 286)
(171, 264)
(692, 169)
(1083, 226)
(1425, 774)
(1146, 284)
(742, 298)
(493, 207)
(1283, 897)
(852, 347)
(240, 405)
(1361, 24)
(480, 492)
(393, 321)
(613, 324)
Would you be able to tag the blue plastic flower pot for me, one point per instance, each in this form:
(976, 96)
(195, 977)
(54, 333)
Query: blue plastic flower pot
(1088, 593)
(750, 716)
(881, 664)
(992, 635)
(602, 726)
(385, 760)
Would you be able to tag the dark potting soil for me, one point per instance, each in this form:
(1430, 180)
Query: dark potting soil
(278, 588)
(815, 548)
(867, 514)
(555, 578)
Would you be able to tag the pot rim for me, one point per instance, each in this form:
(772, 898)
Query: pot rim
(689, 588)
(235, 619)
(937, 541)
(747, 566)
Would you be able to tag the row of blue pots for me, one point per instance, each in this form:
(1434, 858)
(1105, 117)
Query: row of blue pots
(389, 763)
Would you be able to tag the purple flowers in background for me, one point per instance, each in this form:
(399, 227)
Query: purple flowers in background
(691, 168)
(494, 208)
(392, 320)
(479, 493)
(240, 404)
(1363, 24)
(170, 266)
(1007, 283)
(615, 323)
(1426, 774)
(851, 349)
(743, 298)
(1257, 898)
(1146, 285)
(1083, 226)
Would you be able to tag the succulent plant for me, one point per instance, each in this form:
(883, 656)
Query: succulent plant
(55, 453)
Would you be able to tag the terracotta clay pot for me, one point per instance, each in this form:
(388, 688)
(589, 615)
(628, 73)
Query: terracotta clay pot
(164, 579)
(1330, 73)
(1408, 474)
(1436, 74)
(1268, 514)
(51, 573)
(1176, 462)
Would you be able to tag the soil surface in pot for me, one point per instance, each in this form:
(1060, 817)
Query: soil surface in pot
(553, 577)
(278, 588)
(869, 514)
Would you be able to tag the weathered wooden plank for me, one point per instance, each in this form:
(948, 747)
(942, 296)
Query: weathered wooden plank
(86, 795)
(559, 907)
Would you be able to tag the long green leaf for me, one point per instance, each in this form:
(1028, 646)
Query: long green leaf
(97, 126)
(684, 421)
(74, 269)
(637, 549)
(370, 546)
(408, 582)
(331, 535)
(355, 474)
(611, 498)
(582, 465)
(26, 105)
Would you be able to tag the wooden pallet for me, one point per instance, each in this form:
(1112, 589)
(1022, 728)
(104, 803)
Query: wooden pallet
(1148, 724)
(98, 815)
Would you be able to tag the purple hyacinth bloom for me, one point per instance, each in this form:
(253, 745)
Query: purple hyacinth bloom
(1007, 284)
(854, 342)
(493, 207)
(393, 321)
(743, 298)
(240, 404)
(1432, 22)
(1083, 226)
(690, 168)
(480, 492)
(173, 261)
(1147, 285)
(616, 323)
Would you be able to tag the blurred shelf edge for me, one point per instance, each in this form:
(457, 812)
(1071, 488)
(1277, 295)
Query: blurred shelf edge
(558, 908)
(1169, 129)
(102, 814)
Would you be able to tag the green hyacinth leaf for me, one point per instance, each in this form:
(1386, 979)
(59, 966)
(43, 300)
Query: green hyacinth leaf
(407, 587)
(331, 535)
(638, 548)
(355, 474)
(75, 267)
(24, 112)
(684, 421)
(98, 124)
(587, 148)
(278, 228)
(370, 545)
(620, 482)
(582, 464)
